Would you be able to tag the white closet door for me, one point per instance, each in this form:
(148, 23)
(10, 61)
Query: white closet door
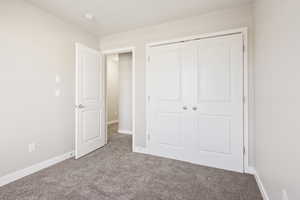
(169, 98)
(196, 102)
(217, 139)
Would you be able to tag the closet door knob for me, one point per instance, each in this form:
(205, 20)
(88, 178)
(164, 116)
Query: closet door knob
(195, 108)
(80, 106)
(184, 108)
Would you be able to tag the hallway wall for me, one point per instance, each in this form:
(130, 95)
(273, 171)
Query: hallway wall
(125, 93)
(112, 87)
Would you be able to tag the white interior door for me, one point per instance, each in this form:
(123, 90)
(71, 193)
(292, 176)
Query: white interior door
(168, 101)
(217, 139)
(90, 119)
(196, 102)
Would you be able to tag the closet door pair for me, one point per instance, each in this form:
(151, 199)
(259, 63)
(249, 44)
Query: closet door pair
(195, 107)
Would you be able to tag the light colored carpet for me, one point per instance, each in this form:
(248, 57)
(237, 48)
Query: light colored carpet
(115, 173)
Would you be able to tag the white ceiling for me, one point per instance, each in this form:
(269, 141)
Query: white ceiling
(112, 16)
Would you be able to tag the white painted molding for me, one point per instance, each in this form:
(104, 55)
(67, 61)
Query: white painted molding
(112, 122)
(34, 168)
(142, 150)
(127, 132)
(250, 170)
(260, 185)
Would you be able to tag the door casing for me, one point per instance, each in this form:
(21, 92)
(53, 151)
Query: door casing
(244, 32)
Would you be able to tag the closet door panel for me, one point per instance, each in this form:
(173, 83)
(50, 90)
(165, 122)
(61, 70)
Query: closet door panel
(218, 103)
(167, 100)
(195, 104)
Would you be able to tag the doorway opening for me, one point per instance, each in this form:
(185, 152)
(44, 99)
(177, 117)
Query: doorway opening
(119, 72)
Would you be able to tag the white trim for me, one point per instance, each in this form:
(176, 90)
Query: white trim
(118, 51)
(142, 150)
(34, 168)
(199, 36)
(77, 46)
(244, 32)
(261, 186)
(250, 170)
(127, 132)
(112, 122)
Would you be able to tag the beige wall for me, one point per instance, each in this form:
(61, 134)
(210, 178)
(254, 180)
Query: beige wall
(125, 94)
(277, 97)
(112, 87)
(34, 47)
(212, 22)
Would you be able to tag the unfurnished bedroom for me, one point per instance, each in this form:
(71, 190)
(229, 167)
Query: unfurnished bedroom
(149, 100)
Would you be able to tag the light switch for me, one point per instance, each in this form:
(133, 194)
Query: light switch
(57, 92)
(284, 195)
(57, 78)
(31, 147)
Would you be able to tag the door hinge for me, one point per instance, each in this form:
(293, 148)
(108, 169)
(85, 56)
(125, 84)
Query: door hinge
(244, 99)
(148, 137)
(148, 99)
(244, 150)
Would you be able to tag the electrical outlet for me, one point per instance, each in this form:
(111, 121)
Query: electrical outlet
(31, 147)
(72, 154)
(284, 195)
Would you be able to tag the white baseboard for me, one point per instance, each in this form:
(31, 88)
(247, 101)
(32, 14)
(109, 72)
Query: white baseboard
(260, 185)
(34, 168)
(112, 122)
(250, 170)
(125, 132)
(142, 150)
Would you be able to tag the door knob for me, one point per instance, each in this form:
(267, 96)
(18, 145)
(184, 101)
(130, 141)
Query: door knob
(80, 106)
(194, 108)
(184, 108)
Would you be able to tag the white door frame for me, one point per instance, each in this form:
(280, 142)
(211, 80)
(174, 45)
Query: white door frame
(244, 32)
(118, 51)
